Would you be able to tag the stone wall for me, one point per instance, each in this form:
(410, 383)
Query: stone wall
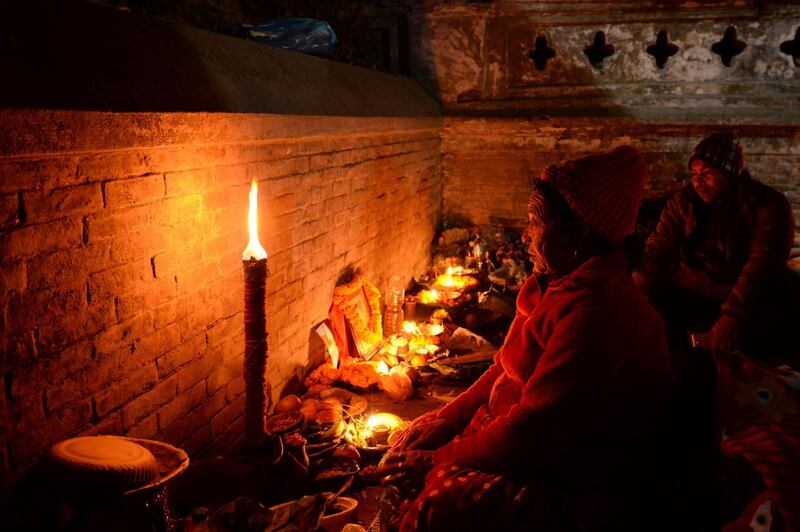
(120, 259)
(507, 116)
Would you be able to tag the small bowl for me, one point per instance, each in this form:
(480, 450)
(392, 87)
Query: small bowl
(373, 453)
(344, 509)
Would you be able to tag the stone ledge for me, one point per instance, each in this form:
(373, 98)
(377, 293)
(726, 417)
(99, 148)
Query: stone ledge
(74, 55)
(30, 132)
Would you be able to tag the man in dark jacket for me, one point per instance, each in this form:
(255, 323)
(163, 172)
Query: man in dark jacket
(716, 262)
(717, 259)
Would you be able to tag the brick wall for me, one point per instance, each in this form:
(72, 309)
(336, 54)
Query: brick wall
(488, 164)
(120, 251)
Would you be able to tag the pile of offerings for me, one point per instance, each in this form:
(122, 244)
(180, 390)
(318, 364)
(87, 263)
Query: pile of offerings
(328, 431)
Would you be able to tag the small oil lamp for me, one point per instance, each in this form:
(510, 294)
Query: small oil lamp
(409, 327)
(381, 425)
(428, 297)
(454, 279)
(375, 430)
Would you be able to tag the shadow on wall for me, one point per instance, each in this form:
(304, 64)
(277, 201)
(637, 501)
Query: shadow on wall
(90, 57)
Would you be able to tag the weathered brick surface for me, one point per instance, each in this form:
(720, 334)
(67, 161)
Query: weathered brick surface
(151, 401)
(36, 239)
(132, 385)
(9, 209)
(186, 400)
(133, 191)
(43, 205)
(121, 288)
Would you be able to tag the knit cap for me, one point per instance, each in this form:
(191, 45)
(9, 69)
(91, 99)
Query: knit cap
(604, 189)
(722, 151)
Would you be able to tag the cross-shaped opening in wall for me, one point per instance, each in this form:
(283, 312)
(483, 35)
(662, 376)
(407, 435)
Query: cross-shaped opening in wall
(792, 47)
(662, 49)
(541, 53)
(729, 46)
(599, 50)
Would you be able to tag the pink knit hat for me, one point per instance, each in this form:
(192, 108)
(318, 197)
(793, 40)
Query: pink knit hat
(604, 189)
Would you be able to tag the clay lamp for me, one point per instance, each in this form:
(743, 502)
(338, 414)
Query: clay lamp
(429, 297)
(380, 426)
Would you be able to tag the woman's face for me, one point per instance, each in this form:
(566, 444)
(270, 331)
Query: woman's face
(710, 183)
(546, 242)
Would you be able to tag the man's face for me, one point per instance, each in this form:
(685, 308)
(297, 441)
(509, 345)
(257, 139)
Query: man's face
(709, 183)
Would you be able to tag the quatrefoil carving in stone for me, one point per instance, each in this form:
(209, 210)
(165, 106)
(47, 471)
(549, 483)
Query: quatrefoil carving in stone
(793, 47)
(541, 53)
(598, 50)
(729, 47)
(662, 49)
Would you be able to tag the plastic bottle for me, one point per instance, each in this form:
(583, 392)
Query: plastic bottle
(393, 315)
(480, 252)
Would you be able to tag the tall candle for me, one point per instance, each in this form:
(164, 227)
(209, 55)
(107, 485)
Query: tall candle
(256, 388)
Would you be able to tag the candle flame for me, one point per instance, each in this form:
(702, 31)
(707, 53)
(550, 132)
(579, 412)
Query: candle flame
(254, 250)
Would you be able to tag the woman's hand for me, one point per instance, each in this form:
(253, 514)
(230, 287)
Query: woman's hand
(404, 468)
(426, 436)
(726, 334)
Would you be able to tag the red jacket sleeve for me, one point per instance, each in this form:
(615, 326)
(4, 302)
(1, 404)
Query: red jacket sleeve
(461, 409)
(770, 245)
(573, 381)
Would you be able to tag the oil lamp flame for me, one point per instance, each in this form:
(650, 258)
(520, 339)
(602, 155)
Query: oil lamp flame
(382, 368)
(384, 419)
(254, 250)
(429, 296)
(409, 327)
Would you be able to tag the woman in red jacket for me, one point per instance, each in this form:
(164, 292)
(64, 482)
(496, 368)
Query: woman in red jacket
(563, 423)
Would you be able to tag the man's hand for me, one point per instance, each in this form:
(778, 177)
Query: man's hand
(726, 335)
(426, 436)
